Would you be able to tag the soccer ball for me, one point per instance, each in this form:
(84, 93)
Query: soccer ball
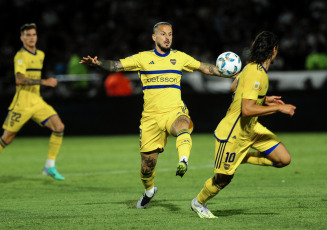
(228, 64)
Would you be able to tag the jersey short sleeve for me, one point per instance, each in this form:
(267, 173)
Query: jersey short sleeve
(20, 63)
(252, 84)
(131, 63)
(190, 63)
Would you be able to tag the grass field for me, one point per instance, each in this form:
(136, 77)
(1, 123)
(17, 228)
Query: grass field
(102, 187)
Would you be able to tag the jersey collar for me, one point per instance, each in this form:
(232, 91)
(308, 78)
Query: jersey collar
(161, 55)
(263, 68)
(30, 51)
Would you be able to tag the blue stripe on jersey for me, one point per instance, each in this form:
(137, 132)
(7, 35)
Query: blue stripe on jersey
(220, 154)
(230, 131)
(161, 55)
(160, 87)
(33, 69)
(268, 151)
(260, 97)
(161, 71)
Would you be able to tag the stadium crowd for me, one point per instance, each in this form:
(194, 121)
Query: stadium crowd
(115, 29)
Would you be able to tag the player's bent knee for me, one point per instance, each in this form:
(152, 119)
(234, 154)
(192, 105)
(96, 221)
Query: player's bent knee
(222, 180)
(59, 128)
(147, 167)
(285, 161)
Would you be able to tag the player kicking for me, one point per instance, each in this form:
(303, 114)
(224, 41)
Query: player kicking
(239, 130)
(164, 112)
(28, 103)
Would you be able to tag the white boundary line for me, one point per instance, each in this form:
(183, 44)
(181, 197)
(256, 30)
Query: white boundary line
(132, 171)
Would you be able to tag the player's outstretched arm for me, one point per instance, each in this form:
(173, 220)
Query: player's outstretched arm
(22, 80)
(108, 65)
(209, 69)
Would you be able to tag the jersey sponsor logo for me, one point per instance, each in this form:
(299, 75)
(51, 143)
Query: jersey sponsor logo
(161, 79)
(173, 61)
(20, 62)
(152, 62)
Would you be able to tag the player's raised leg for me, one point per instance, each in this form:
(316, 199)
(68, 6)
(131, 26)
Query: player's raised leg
(181, 129)
(257, 158)
(280, 156)
(55, 124)
(147, 174)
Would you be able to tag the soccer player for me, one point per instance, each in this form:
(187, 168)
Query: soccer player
(239, 130)
(164, 113)
(28, 103)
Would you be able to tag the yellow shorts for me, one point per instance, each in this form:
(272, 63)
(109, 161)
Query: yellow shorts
(154, 129)
(229, 154)
(39, 113)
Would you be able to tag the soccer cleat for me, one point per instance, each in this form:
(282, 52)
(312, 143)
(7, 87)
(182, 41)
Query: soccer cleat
(145, 200)
(52, 172)
(201, 210)
(181, 168)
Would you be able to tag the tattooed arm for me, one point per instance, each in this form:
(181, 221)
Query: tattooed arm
(209, 69)
(22, 80)
(108, 65)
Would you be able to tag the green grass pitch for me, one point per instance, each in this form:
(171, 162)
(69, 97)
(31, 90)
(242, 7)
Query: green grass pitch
(102, 187)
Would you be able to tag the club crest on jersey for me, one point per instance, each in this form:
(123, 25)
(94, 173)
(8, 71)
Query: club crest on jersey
(173, 61)
(226, 166)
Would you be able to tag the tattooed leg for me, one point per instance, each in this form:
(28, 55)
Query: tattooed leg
(148, 172)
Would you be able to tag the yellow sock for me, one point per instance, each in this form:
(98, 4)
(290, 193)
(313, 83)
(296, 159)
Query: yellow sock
(148, 179)
(209, 190)
(3, 144)
(257, 158)
(184, 143)
(55, 144)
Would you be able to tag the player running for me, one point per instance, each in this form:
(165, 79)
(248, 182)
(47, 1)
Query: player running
(164, 113)
(28, 103)
(239, 130)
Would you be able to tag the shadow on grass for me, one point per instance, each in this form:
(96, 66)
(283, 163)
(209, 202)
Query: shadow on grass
(45, 183)
(234, 212)
(131, 204)
(11, 179)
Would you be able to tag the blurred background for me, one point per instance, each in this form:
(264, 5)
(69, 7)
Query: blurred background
(93, 102)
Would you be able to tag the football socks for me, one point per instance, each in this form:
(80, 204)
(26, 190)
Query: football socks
(257, 158)
(148, 179)
(209, 190)
(184, 143)
(55, 144)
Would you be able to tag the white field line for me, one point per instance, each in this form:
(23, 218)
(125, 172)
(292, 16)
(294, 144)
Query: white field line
(132, 171)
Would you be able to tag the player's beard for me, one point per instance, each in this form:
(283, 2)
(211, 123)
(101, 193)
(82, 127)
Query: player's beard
(164, 49)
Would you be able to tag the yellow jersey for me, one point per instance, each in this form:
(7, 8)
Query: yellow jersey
(252, 83)
(30, 64)
(160, 75)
